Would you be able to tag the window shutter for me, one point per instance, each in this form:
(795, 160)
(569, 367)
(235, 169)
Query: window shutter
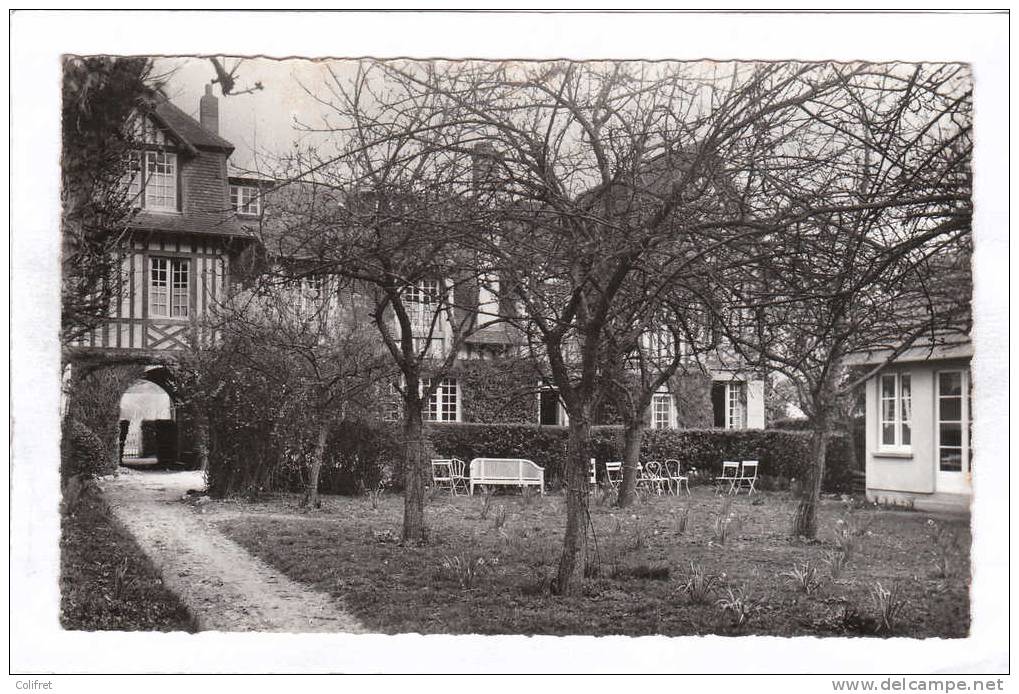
(755, 405)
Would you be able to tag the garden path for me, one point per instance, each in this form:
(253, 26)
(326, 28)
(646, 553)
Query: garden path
(224, 587)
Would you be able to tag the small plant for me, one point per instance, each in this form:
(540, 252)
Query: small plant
(682, 518)
(836, 561)
(739, 604)
(804, 576)
(945, 547)
(527, 496)
(121, 583)
(618, 529)
(846, 535)
(500, 517)
(720, 529)
(888, 606)
(466, 567)
(486, 502)
(699, 585)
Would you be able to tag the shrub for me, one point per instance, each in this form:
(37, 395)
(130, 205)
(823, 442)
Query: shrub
(361, 456)
(159, 439)
(791, 424)
(81, 451)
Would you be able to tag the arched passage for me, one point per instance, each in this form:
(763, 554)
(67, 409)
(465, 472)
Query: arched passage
(96, 388)
(147, 417)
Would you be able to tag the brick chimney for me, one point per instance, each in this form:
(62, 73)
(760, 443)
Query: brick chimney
(208, 111)
(483, 166)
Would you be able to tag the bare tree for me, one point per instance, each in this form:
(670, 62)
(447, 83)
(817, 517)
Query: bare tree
(100, 96)
(390, 208)
(873, 253)
(593, 169)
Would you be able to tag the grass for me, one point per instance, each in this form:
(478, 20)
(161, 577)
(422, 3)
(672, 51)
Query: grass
(638, 578)
(106, 582)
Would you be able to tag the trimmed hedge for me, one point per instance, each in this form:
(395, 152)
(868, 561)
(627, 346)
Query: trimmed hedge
(81, 451)
(784, 455)
(159, 439)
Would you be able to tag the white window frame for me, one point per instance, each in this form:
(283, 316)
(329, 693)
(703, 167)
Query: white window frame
(965, 423)
(438, 408)
(245, 199)
(902, 424)
(669, 421)
(144, 183)
(735, 405)
(164, 284)
(423, 303)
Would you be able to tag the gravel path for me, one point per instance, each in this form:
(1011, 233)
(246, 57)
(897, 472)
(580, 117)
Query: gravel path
(223, 586)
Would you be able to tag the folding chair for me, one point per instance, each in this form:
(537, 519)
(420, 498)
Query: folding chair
(729, 476)
(614, 473)
(748, 476)
(442, 473)
(675, 476)
(459, 481)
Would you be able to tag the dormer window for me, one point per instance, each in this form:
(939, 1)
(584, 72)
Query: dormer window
(153, 180)
(245, 200)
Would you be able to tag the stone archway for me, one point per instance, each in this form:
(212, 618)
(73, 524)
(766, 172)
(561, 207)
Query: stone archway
(94, 390)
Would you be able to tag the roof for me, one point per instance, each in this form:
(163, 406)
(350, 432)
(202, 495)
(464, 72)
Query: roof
(188, 130)
(212, 222)
(498, 334)
(943, 310)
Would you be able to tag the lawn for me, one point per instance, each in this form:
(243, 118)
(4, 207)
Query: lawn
(651, 571)
(106, 582)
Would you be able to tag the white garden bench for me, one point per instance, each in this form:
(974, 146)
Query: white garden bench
(512, 471)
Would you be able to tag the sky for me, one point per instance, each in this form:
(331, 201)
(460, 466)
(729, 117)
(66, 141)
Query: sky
(263, 123)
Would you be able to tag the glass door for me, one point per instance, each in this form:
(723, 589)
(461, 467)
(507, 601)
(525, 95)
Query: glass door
(951, 434)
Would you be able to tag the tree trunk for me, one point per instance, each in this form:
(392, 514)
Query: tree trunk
(633, 436)
(573, 560)
(413, 476)
(317, 455)
(805, 520)
(202, 440)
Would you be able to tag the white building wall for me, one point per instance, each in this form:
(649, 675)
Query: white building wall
(904, 472)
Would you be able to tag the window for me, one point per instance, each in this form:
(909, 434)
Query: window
(953, 421)
(550, 410)
(245, 200)
(735, 405)
(422, 301)
(661, 411)
(169, 288)
(659, 343)
(896, 412)
(153, 180)
(444, 404)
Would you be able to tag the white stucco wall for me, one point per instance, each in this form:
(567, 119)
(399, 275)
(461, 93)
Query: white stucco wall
(915, 471)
